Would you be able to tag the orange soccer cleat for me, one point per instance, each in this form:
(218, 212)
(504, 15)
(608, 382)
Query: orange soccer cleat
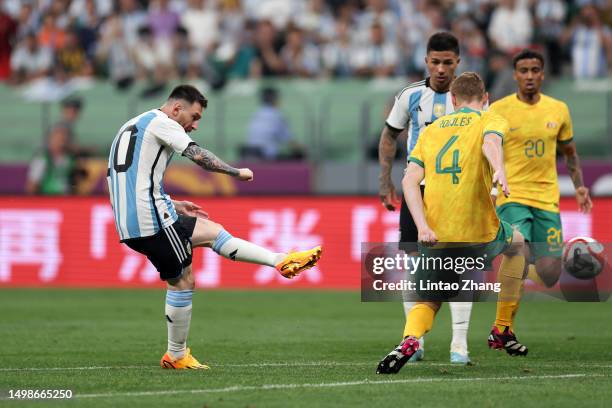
(296, 262)
(187, 362)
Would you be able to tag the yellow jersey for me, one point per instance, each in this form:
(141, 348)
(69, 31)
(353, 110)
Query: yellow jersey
(458, 177)
(530, 149)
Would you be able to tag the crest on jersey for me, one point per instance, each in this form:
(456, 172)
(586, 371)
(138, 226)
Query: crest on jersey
(439, 109)
(551, 125)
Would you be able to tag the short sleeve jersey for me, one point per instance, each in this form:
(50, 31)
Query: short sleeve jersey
(530, 149)
(140, 153)
(458, 177)
(417, 106)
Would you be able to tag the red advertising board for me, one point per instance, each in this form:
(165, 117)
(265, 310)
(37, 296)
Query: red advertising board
(72, 242)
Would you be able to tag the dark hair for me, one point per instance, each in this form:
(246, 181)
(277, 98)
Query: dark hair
(72, 102)
(190, 94)
(181, 31)
(443, 41)
(527, 54)
(144, 30)
(268, 95)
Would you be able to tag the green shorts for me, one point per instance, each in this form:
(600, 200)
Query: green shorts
(537, 226)
(482, 255)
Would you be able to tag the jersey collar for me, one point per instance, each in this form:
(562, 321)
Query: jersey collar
(465, 109)
(428, 85)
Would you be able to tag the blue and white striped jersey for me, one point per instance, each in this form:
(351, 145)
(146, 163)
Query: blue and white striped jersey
(417, 106)
(139, 155)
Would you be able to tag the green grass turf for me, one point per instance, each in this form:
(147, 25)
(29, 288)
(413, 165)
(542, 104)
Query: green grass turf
(320, 348)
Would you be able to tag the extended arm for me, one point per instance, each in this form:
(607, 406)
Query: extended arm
(208, 161)
(572, 161)
(412, 193)
(386, 153)
(494, 152)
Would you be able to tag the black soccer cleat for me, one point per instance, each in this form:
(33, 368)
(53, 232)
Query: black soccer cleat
(395, 360)
(506, 340)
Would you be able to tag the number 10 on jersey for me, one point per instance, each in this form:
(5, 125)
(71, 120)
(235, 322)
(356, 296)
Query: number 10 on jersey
(124, 149)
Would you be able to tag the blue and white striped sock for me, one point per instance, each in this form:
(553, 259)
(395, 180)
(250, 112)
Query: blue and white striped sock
(238, 249)
(178, 316)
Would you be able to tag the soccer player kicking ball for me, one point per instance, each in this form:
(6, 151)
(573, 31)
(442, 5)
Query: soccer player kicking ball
(164, 230)
(539, 125)
(460, 157)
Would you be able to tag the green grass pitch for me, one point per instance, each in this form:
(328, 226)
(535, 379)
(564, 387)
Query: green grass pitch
(291, 349)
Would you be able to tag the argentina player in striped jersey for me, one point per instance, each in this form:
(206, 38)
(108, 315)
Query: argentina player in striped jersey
(415, 107)
(164, 230)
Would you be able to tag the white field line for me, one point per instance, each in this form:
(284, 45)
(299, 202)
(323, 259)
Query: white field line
(365, 382)
(280, 364)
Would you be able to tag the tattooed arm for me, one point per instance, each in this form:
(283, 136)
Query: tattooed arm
(572, 161)
(386, 154)
(208, 161)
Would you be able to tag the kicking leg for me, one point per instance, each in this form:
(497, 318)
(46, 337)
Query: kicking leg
(210, 234)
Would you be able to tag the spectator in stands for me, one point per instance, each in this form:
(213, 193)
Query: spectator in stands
(30, 61)
(500, 75)
(338, 53)
(151, 64)
(54, 170)
(277, 12)
(269, 136)
(27, 20)
(50, 34)
(317, 22)
(202, 23)
(115, 54)
(162, 20)
(81, 11)
(473, 45)
(416, 28)
(71, 58)
(591, 44)
(59, 9)
(233, 22)
(87, 25)
(549, 23)
(377, 12)
(511, 26)
(187, 58)
(301, 58)
(377, 58)
(133, 19)
(235, 55)
(8, 29)
(267, 61)
(347, 13)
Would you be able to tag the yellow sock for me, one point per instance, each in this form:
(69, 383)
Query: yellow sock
(516, 307)
(510, 276)
(533, 276)
(419, 320)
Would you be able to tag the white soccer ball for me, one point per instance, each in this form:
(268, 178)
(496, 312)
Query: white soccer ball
(584, 257)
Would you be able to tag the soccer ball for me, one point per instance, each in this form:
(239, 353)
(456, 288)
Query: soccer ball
(584, 257)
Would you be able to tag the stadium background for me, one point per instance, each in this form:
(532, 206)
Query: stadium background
(334, 107)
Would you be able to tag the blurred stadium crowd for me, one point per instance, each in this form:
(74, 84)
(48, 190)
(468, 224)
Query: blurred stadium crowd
(217, 40)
